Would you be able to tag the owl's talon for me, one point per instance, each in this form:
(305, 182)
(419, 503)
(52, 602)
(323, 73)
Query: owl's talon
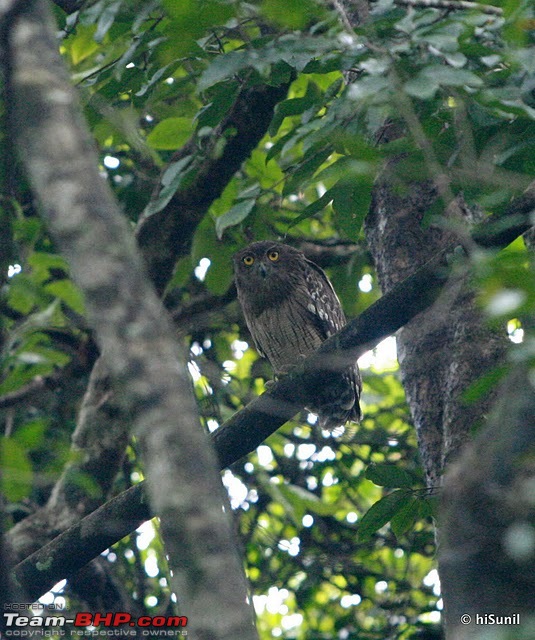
(292, 367)
(285, 371)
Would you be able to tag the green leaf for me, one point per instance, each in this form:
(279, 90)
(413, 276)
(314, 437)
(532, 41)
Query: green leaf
(32, 434)
(68, 293)
(422, 86)
(42, 264)
(233, 216)
(28, 331)
(290, 507)
(279, 145)
(171, 181)
(106, 19)
(388, 475)
(305, 170)
(83, 45)
(429, 506)
(181, 274)
(170, 134)
(485, 384)
(220, 274)
(222, 97)
(152, 80)
(427, 82)
(294, 14)
(22, 374)
(27, 230)
(351, 201)
(296, 51)
(42, 355)
(206, 245)
(190, 20)
(313, 208)
(16, 479)
(407, 515)
(22, 294)
(223, 67)
(382, 512)
(293, 107)
(450, 76)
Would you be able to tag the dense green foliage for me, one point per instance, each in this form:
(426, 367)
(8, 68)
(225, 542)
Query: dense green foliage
(335, 528)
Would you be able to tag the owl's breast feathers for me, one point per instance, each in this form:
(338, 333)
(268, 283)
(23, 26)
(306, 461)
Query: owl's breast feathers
(289, 317)
(285, 333)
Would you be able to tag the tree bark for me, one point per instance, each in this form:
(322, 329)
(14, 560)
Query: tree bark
(163, 237)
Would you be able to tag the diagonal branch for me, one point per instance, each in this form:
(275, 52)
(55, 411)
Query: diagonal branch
(85, 540)
(248, 428)
(242, 433)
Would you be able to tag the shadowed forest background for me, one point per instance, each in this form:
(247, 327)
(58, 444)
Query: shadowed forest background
(143, 144)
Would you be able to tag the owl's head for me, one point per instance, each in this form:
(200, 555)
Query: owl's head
(267, 269)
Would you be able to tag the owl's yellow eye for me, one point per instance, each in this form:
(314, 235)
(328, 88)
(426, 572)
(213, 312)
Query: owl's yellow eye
(273, 256)
(248, 261)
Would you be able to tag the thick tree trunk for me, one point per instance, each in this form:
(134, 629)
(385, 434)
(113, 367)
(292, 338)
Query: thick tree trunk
(487, 554)
(148, 374)
(446, 348)
(487, 519)
(100, 438)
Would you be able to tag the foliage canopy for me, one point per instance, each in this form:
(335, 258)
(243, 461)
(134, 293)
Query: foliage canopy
(336, 529)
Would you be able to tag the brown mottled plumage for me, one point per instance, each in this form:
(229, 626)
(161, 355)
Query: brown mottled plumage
(291, 308)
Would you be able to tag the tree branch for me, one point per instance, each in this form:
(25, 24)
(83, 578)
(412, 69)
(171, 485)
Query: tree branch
(78, 545)
(452, 5)
(245, 430)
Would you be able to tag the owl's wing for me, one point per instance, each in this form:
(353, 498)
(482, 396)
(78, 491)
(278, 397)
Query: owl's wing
(342, 404)
(321, 301)
(256, 340)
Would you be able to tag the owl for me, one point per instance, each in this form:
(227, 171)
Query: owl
(290, 308)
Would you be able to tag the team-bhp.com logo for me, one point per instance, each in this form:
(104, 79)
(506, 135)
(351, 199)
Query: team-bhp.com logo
(110, 620)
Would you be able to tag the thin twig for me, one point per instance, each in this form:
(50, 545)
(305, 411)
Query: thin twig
(14, 397)
(343, 15)
(452, 5)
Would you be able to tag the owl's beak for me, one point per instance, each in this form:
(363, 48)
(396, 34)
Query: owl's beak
(263, 270)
